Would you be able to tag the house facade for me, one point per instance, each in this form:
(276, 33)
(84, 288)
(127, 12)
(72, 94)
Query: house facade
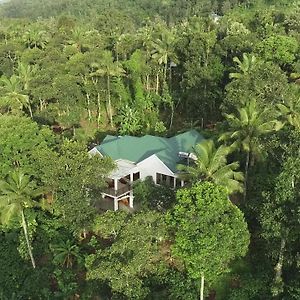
(140, 157)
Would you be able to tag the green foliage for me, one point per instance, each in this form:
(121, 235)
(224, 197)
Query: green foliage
(180, 285)
(17, 194)
(204, 221)
(21, 141)
(110, 224)
(153, 197)
(17, 278)
(250, 288)
(65, 253)
(75, 180)
(244, 66)
(248, 125)
(133, 254)
(279, 49)
(130, 122)
(140, 67)
(210, 164)
(266, 83)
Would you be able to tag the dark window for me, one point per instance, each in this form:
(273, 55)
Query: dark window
(136, 176)
(165, 179)
(158, 178)
(172, 180)
(178, 182)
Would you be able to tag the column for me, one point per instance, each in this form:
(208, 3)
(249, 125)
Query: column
(131, 177)
(131, 199)
(115, 184)
(182, 183)
(116, 206)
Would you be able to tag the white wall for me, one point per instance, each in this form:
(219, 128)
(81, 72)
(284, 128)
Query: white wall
(94, 151)
(152, 165)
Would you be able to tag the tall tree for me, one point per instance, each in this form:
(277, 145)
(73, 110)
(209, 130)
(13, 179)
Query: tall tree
(163, 49)
(25, 74)
(17, 195)
(279, 218)
(246, 127)
(108, 68)
(208, 230)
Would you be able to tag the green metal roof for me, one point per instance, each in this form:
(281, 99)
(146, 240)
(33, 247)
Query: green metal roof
(136, 149)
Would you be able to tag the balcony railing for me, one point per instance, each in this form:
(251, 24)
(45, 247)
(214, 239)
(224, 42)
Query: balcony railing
(120, 191)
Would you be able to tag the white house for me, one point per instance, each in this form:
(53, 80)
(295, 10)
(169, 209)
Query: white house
(140, 157)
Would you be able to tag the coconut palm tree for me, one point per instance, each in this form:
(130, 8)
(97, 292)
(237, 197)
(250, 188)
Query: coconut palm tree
(244, 66)
(65, 253)
(13, 96)
(210, 164)
(35, 38)
(163, 50)
(16, 194)
(290, 111)
(25, 74)
(108, 69)
(246, 127)
(78, 37)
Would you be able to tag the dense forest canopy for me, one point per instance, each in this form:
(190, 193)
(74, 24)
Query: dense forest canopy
(73, 72)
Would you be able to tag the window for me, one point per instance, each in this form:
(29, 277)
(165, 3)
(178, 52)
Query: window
(165, 179)
(158, 178)
(171, 181)
(136, 176)
(178, 182)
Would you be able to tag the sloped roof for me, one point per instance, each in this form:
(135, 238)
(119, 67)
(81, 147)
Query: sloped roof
(136, 149)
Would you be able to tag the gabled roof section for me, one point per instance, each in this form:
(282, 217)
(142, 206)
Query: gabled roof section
(136, 149)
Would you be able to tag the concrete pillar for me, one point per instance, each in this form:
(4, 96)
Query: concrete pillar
(115, 184)
(174, 185)
(116, 206)
(182, 183)
(131, 199)
(131, 177)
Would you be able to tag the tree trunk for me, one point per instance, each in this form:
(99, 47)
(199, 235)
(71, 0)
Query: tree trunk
(41, 104)
(170, 77)
(30, 110)
(157, 82)
(98, 110)
(147, 83)
(165, 71)
(278, 269)
(246, 174)
(202, 287)
(109, 101)
(24, 225)
(88, 106)
(172, 115)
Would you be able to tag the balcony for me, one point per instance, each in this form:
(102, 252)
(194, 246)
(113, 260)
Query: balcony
(122, 189)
